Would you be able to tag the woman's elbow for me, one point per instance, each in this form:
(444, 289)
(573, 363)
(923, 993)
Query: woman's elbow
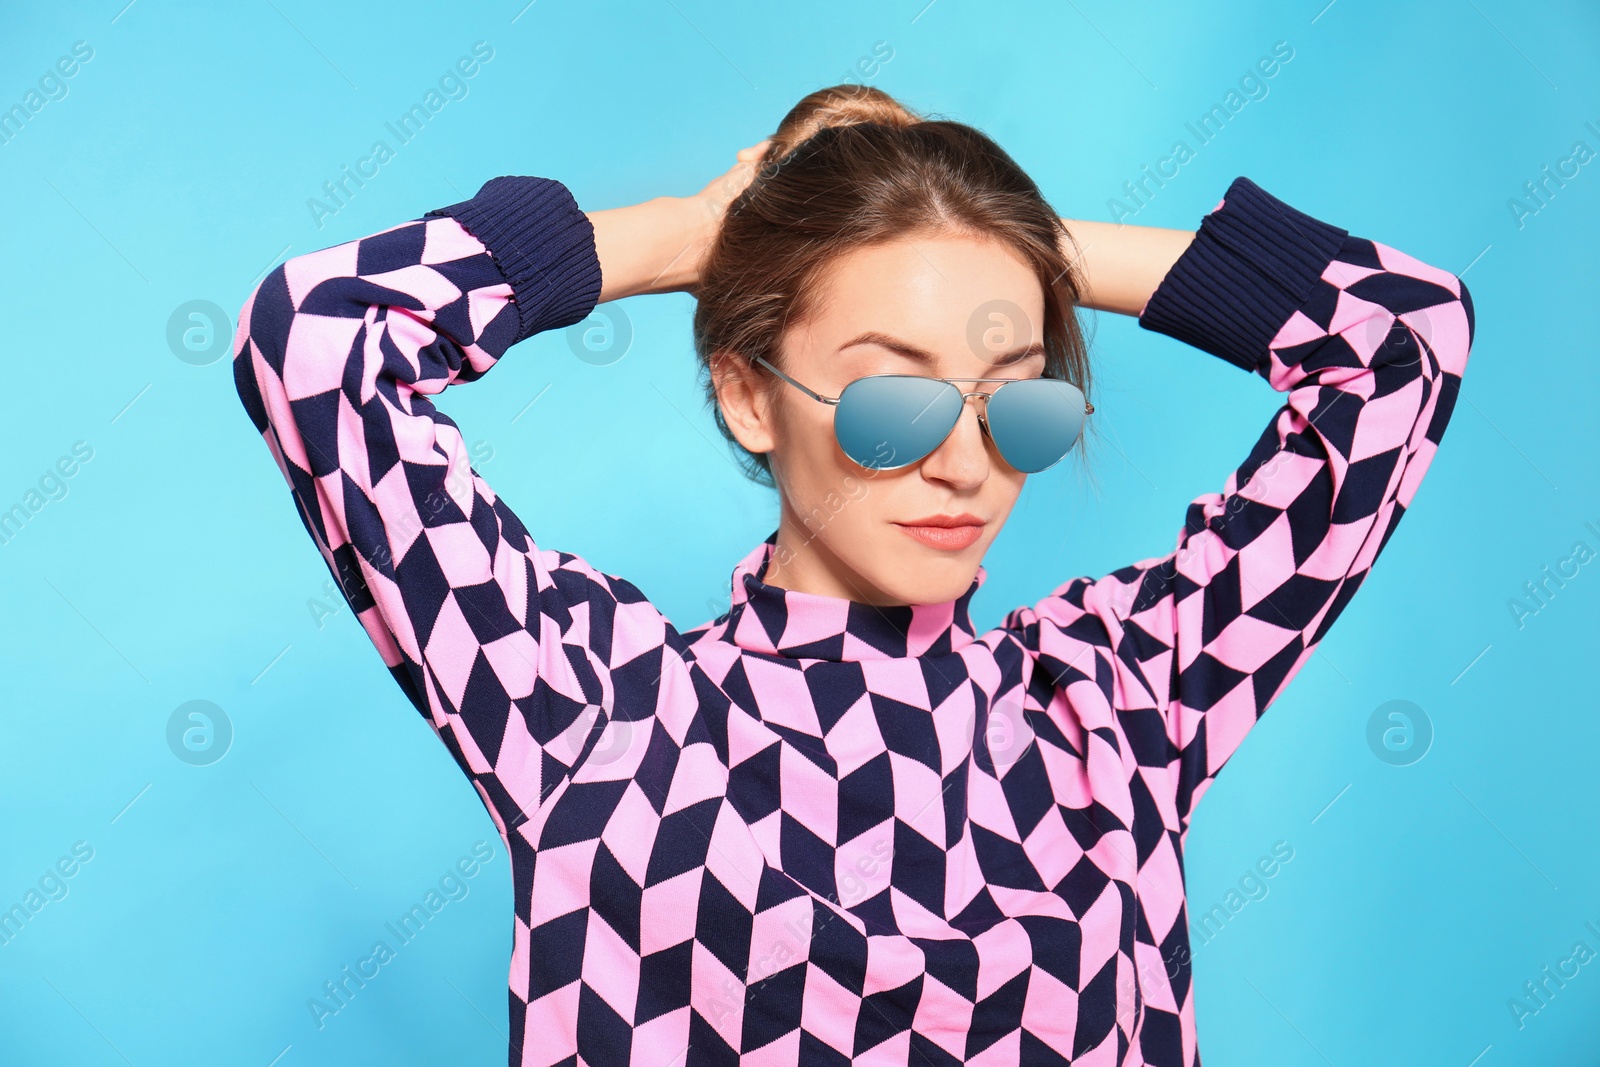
(1450, 328)
(1432, 340)
(262, 334)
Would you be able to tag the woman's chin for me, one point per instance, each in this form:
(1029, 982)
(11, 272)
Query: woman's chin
(918, 575)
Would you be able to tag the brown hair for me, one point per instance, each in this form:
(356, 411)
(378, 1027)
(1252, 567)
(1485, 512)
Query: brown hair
(850, 167)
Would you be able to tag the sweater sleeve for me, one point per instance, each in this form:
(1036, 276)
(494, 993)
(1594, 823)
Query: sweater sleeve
(1369, 345)
(511, 652)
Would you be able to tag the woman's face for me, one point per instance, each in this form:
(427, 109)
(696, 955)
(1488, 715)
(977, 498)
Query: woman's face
(936, 305)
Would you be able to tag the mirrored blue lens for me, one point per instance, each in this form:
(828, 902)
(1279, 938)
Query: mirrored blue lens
(1035, 421)
(892, 420)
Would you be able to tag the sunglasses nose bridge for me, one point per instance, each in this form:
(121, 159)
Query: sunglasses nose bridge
(982, 412)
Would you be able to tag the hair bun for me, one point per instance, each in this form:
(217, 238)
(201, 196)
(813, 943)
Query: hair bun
(837, 105)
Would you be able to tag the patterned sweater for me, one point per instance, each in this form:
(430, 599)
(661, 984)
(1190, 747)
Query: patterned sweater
(811, 830)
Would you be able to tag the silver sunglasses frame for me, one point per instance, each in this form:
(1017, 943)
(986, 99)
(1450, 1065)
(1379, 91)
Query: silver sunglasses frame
(983, 422)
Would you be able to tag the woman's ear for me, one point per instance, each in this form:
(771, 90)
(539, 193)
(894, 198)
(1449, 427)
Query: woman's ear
(744, 396)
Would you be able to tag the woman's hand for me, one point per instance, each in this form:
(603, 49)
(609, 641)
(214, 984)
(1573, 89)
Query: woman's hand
(660, 245)
(712, 205)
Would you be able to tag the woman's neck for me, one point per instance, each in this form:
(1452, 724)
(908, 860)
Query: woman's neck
(803, 563)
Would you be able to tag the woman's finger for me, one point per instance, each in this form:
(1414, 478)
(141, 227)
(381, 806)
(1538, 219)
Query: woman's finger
(754, 152)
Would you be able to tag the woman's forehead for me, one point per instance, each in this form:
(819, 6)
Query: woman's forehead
(957, 304)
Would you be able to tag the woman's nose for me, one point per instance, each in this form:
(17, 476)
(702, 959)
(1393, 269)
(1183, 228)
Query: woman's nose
(962, 459)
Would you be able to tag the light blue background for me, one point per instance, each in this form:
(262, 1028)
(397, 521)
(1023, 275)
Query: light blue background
(219, 898)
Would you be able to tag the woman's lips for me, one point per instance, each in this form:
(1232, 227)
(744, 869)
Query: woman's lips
(951, 534)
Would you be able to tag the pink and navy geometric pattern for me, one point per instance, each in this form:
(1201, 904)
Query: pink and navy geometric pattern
(813, 831)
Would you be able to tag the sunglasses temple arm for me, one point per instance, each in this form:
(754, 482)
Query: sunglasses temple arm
(797, 385)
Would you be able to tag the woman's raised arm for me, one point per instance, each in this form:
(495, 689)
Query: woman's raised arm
(659, 245)
(1369, 344)
(1122, 264)
(518, 656)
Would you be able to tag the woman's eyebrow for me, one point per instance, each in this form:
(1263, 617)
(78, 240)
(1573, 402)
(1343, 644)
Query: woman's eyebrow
(911, 351)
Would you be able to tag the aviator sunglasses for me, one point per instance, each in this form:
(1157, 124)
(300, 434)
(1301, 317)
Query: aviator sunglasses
(888, 421)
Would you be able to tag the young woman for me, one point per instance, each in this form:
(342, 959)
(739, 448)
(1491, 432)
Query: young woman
(836, 824)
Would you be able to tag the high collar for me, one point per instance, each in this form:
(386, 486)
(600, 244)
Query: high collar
(770, 619)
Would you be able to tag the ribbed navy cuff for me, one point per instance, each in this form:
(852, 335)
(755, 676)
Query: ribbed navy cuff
(543, 243)
(1253, 261)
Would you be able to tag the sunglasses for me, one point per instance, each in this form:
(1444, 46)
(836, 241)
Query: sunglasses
(888, 421)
